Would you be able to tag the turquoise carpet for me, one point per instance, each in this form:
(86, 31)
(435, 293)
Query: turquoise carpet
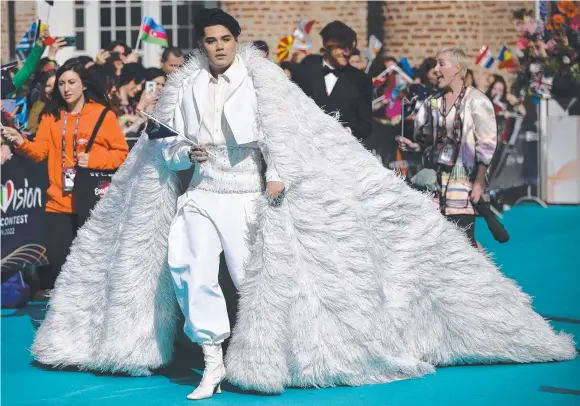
(543, 256)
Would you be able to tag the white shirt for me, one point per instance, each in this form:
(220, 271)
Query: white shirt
(448, 124)
(214, 126)
(330, 79)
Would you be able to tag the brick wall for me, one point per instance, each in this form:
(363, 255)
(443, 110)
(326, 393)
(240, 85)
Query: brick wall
(417, 29)
(4, 41)
(272, 20)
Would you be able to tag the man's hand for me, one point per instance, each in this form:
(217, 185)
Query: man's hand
(198, 154)
(83, 160)
(274, 189)
(13, 135)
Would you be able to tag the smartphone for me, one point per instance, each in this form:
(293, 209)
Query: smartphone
(150, 86)
(70, 41)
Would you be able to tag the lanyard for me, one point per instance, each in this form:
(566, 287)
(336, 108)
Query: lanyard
(75, 159)
(456, 119)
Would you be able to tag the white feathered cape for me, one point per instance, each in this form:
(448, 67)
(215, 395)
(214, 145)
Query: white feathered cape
(354, 279)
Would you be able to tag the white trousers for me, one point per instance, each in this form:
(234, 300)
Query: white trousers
(207, 224)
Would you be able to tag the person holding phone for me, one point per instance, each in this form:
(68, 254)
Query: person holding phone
(146, 92)
(22, 76)
(65, 128)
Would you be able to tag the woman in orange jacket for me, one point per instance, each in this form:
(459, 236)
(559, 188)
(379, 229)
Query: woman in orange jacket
(66, 126)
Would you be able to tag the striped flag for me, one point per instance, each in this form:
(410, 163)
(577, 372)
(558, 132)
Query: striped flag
(153, 33)
(485, 59)
(27, 42)
(505, 58)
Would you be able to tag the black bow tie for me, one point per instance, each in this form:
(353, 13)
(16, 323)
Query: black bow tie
(326, 70)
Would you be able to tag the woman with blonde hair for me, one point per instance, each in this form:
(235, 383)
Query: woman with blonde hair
(458, 130)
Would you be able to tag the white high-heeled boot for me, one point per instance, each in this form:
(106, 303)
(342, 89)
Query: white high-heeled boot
(213, 374)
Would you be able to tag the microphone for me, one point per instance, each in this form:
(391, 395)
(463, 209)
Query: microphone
(495, 227)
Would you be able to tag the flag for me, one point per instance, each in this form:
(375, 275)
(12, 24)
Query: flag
(284, 48)
(302, 40)
(50, 2)
(485, 59)
(373, 48)
(506, 61)
(153, 33)
(407, 67)
(27, 42)
(542, 85)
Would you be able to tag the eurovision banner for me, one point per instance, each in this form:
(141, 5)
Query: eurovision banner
(22, 201)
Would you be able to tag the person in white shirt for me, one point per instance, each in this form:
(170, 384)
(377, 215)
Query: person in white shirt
(216, 109)
(342, 284)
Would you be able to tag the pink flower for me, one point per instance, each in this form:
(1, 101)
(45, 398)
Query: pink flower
(522, 43)
(550, 45)
(575, 23)
(528, 28)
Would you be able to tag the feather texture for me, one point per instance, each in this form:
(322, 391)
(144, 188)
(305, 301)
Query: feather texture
(357, 278)
(354, 279)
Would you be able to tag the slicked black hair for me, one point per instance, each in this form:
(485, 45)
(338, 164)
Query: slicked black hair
(208, 17)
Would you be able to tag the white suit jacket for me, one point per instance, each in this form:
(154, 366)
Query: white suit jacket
(240, 112)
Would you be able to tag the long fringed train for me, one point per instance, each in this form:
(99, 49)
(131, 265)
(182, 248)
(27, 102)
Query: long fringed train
(354, 279)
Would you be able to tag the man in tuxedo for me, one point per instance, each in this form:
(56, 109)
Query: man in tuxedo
(335, 85)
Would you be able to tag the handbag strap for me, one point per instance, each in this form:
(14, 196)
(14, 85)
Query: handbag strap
(96, 129)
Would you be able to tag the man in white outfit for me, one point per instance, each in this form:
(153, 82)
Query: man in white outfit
(217, 108)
